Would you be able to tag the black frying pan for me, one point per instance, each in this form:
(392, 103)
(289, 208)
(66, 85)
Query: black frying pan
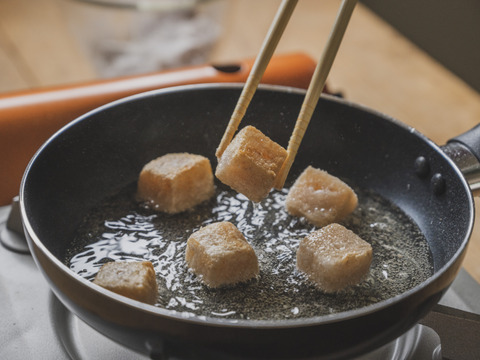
(104, 150)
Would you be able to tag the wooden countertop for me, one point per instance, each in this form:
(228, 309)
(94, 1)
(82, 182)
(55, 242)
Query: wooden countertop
(375, 66)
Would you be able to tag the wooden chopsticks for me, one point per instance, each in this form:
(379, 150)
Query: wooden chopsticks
(263, 58)
(314, 90)
(316, 86)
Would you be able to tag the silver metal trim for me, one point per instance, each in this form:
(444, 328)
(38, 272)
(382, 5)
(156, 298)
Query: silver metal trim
(466, 162)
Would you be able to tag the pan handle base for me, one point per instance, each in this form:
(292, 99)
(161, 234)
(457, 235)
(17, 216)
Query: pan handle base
(466, 161)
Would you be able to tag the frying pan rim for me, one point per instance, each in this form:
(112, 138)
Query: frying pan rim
(34, 240)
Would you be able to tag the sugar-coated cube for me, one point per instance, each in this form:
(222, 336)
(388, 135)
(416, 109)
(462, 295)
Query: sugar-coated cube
(320, 197)
(334, 257)
(251, 163)
(133, 279)
(221, 255)
(176, 182)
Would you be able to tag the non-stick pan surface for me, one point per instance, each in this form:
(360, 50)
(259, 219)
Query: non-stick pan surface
(103, 151)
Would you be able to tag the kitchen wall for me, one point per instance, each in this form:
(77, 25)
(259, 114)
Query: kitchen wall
(448, 30)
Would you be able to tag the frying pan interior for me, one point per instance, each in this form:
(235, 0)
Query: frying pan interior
(103, 151)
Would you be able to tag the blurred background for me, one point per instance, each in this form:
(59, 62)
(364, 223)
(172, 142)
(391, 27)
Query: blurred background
(128, 37)
(56, 42)
(416, 61)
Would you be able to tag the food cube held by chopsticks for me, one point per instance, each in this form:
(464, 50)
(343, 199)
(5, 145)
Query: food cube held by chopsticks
(313, 93)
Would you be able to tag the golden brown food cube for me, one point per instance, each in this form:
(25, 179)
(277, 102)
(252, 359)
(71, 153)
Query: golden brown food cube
(221, 255)
(334, 257)
(250, 163)
(176, 182)
(133, 279)
(320, 197)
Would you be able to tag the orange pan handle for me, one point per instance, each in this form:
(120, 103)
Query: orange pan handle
(29, 118)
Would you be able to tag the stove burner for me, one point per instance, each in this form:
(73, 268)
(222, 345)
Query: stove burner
(82, 342)
(11, 232)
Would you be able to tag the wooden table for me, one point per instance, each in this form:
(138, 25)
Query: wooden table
(375, 66)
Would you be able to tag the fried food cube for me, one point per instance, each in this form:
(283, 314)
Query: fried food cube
(320, 197)
(250, 163)
(221, 255)
(334, 258)
(133, 279)
(176, 182)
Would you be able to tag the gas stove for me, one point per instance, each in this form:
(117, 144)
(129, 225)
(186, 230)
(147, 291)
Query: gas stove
(35, 324)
